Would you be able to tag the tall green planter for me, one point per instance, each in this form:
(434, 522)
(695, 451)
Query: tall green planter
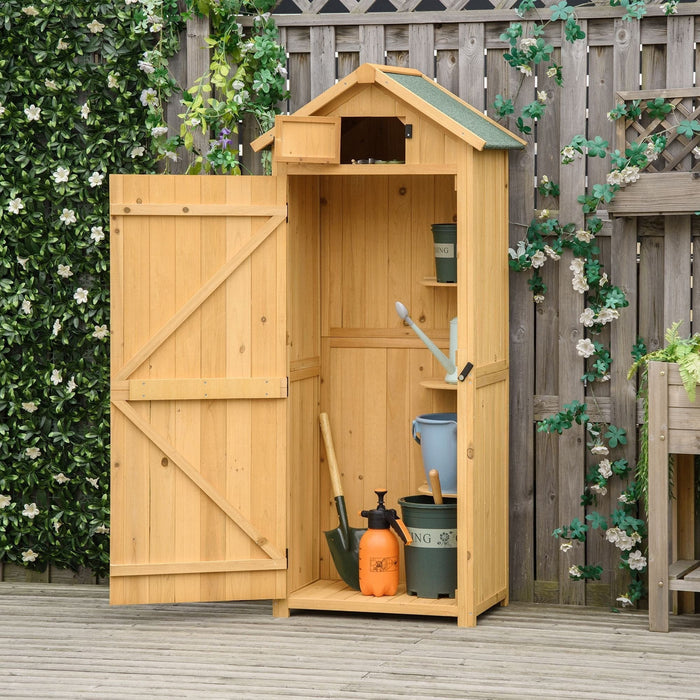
(445, 243)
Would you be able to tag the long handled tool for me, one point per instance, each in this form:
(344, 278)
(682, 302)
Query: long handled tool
(344, 541)
(434, 475)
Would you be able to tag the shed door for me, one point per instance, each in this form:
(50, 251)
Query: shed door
(199, 386)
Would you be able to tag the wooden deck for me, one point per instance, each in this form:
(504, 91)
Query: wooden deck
(66, 642)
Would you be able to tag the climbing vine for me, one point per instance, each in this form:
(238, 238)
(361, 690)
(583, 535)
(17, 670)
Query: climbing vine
(545, 240)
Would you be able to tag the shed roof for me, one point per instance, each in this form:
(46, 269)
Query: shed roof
(411, 86)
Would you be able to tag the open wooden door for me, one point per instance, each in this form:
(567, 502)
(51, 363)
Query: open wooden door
(199, 387)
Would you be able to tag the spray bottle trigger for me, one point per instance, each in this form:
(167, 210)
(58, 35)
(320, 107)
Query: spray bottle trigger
(398, 526)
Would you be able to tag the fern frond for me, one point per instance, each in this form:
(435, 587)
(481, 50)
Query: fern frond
(689, 368)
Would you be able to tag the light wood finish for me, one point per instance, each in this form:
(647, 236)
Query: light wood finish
(198, 509)
(669, 433)
(435, 487)
(307, 139)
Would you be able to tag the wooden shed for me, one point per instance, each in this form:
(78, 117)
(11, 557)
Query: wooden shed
(242, 307)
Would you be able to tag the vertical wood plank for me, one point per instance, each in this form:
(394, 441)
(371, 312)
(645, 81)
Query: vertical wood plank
(572, 441)
(197, 64)
(322, 59)
(421, 48)
(372, 44)
(472, 64)
(677, 272)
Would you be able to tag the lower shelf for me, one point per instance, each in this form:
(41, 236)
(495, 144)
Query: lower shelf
(335, 595)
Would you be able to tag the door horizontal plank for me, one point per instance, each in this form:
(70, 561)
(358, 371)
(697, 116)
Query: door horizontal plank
(135, 209)
(208, 388)
(197, 567)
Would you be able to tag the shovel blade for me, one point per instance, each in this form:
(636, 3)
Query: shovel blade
(346, 554)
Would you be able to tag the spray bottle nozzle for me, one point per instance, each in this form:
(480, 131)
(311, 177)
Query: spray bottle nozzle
(382, 518)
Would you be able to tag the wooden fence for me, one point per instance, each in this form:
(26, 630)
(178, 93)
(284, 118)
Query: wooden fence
(649, 258)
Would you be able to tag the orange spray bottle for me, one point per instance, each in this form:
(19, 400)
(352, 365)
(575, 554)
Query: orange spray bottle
(379, 550)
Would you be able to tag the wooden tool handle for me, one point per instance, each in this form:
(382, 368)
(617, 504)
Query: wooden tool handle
(434, 477)
(333, 469)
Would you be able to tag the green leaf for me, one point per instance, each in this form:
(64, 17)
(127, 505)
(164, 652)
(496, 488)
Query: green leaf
(616, 436)
(561, 11)
(597, 521)
(688, 128)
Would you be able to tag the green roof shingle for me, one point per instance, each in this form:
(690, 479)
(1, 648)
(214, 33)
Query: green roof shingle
(429, 92)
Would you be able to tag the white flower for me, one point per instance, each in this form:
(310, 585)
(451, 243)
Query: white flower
(29, 406)
(542, 95)
(600, 490)
(5, 501)
(29, 555)
(172, 155)
(137, 151)
(599, 450)
(2, 110)
(587, 318)
(603, 279)
(538, 298)
(57, 525)
(539, 259)
(615, 178)
(60, 175)
(551, 72)
(568, 153)
(33, 452)
(64, 271)
(579, 284)
(565, 546)
(612, 535)
(26, 306)
(544, 214)
(67, 217)
(624, 498)
(577, 265)
(146, 67)
(584, 236)
(93, 481)
(50, 84)
(61, 46)
(97, 234)
(194, 121)
(56, 377)
(525, 69)
(15, 205)
(96, 27)
(630, 174)
(650, 151)
(30, 510)
(624, 600)
(237, 85)
(696, 151)
(85, 110)
(96, 179)
(71, 385)
(637, 560)
(149, 97)
(23, 262)
(281, 70)
(102, 530)
(81, 295)
(56, 328)
(527, 42)
(605, 315)
(157, 131)
(575, 572)
(113, 80)
(33, 113)
(669, 8)
(100, 332)
(585, 347)
(61, 478)
(605, 469)
(551, 252)
(604, 378)
(30, 11)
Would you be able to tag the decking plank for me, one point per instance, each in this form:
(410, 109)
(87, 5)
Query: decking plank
(66, 642)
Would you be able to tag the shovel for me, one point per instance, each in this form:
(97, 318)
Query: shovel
(344, 541)
(434, 475)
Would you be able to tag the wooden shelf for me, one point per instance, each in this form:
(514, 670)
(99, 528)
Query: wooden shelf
(437, 383)
(432, 282)
(335, 595)
(374, 169)
(684, 575)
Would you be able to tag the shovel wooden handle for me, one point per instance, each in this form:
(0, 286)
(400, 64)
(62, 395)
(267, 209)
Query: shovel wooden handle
(333, 469)
(434, 477)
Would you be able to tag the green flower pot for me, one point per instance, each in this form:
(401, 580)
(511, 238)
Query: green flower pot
(445, 242)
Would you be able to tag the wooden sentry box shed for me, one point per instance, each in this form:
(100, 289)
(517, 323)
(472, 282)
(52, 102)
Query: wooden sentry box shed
(244, 306)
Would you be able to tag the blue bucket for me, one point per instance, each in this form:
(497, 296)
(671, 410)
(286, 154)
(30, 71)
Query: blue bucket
(436, 433)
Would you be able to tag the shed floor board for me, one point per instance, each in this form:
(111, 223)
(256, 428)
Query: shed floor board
(60, 641)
